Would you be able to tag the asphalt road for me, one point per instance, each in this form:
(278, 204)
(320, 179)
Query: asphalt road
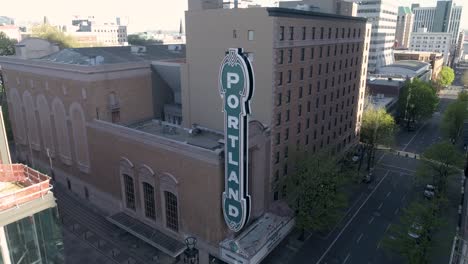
(359, 238)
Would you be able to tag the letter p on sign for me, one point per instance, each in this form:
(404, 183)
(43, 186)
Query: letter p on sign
(232, 78)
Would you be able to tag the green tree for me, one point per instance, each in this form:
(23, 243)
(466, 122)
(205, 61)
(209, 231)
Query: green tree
(52, 34)
(446, 76)
(454, 117)
(313, 192)
(440, 161)
(135, 39)
(7, 45)
(377, 128)
(411, 237)
(417, 101)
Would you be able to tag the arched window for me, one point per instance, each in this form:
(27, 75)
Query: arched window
(16, 106)
(79, 135)
(44, 121)
(172, 215)
(31, 123)
(171, 210)
(148, 199)
(63, 140)
(129, 188)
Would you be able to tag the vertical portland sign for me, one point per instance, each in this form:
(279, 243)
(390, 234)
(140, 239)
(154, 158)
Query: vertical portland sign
(236, 89)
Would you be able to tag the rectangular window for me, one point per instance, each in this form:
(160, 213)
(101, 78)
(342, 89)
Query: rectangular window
(303, 33)
(301, 74)
(287, 115)
(278, 119)
(300, 92)
(329, 33)
(321, 33)
(299, 110)
(289, 76)
(313, 33)
(311, 53)
(280, 78)
(291, 33)
(328, 51)
(288, 96)
(278, 138)
(298, 128)
(251, 34)
(286, 134)
(336, 33)
(148, 197)
(286, 152)
(115, 116)
(302, 54)
(278, 102)
(281, 36)
(290, 55)
(320, 53)
(281, 55)
(277, 157)
(310, 89)
(308, 123)
(129, 191)
(308, 106)
(320, 69)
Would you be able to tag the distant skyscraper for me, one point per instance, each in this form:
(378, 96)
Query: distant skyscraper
(445, 17)
(383, 16)
(404, 26)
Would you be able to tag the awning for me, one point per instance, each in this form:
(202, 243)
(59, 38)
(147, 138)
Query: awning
(150, 235)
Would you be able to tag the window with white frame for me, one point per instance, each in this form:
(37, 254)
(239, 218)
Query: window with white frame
(172, 217)
(129, 192)
(148, 197)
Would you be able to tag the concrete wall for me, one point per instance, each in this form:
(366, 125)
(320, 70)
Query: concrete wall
(207, 43)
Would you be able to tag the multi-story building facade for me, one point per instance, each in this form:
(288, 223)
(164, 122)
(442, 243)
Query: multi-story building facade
(404, 27)
(90, 31)
(438, 42)
(383, 16)
(143, 138)
(445, 17)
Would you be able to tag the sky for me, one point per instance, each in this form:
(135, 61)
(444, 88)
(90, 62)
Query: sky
(142, 15)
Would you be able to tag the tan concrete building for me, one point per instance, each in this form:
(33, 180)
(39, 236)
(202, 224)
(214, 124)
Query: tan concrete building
(435, 59)
(404, 27)
(139, 131)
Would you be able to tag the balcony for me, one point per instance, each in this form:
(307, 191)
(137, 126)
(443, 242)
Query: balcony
(20, 184)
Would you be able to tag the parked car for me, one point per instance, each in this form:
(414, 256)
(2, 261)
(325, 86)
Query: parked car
(415, 230)
(429, 191)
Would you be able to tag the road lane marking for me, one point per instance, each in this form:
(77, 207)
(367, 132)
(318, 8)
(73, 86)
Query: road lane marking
(403, 198)
(388, 227)
(352, 218)
(388, 194)
(380, 206)
(371, 220)
(359, 239)
(396, 211)
(378, 245)
(417, 132)
(396, 167)
(347, 257)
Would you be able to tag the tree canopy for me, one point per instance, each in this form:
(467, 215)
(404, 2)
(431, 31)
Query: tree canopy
(440, 161)
(313, 192)
(417, 101)
(377, 128)
(52, 34)
(454, 116)
(135, 39)
(7, 45)
(446, 76)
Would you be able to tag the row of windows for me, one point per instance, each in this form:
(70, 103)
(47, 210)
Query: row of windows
(326, 70)
(318, 52)
(316, 116)
(319, 33)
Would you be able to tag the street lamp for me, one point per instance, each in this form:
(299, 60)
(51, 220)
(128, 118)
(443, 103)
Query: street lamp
(191, 253)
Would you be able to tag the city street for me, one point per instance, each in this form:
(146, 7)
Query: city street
(358, 237)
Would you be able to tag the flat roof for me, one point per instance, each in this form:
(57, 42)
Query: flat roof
(289, 12)
(394, 82)
(413, 65)
(196, 137)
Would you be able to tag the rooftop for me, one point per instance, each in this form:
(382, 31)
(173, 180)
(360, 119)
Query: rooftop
(20, 184)
(111, 55)
(197, 137)
(413, 65)
(288, 12)
(404, 10)
(397, 82)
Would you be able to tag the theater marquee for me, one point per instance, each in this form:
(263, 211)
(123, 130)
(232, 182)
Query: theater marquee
(236, 89)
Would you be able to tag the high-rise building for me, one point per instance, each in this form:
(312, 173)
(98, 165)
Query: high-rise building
(29, 226)
(445, 17)
(404, 27)
(383, 16)
(164, 180)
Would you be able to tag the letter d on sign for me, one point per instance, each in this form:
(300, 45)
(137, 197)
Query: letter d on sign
(232, 78)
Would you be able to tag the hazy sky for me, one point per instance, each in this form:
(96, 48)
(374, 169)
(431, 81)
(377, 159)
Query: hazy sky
(142, 14)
